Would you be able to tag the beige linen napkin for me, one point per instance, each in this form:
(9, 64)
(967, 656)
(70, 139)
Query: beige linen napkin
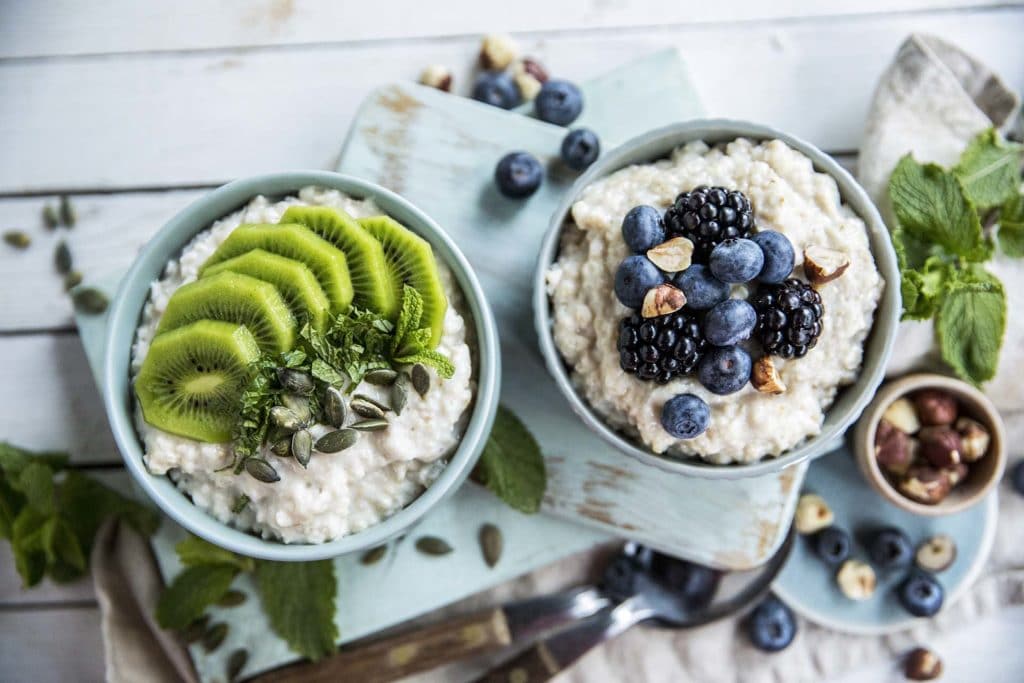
(930, 101)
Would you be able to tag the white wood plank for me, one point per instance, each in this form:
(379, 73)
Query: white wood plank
(51, 645)
(70, 27)
(165, 120)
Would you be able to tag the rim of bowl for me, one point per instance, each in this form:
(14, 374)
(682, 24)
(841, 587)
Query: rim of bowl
(850, 401)
(864, 440)
(133, 292)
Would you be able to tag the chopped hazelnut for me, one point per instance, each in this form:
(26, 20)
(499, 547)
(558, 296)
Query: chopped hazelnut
(822, 264)
(922, 664)
(437, 76)
(672, 255)
(893, 448)
(662, 300)
(940, 446)
(955, 474)
(936, 554)
(974, 439)
(856, 580)
(935, 407)
(765, 377)
(812, 514)
(925, 485)
(497, 52)
(902, 414)
(529, 75)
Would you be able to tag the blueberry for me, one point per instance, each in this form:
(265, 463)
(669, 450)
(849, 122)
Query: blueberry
(1017, 477)
(558, 102)
(890, 548)
(778, 256)
(642, 229)
(702, 289)
(496, 88)
(832, 545)
(921, 594)
(771, 626)
(695, 583)
(685, 416)
(518, 175)
(634, 277)
(736, 261)
(724, 369)
(580, 148)
(729, 322)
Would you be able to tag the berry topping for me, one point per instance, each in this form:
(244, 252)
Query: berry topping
(788, 318)
(518, 175)
(709, 216)
(558, 102)
(633, 278)
(778, 256)
(890, 548)
(685, 416)
(642, 229)
(496, 88)
(729, 322)
(832, 545)
(736, 261)
(724, 369)
(702, 289)
(660, 348)
(580, 148)
(771, 626)
(921, 594)
(694, 583)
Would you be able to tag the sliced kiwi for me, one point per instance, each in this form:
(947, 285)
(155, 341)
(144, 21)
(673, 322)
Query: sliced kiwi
(192, 379)
(367, 267)
(297, 243)
(411, 262)
(235, 298)
(294, 280)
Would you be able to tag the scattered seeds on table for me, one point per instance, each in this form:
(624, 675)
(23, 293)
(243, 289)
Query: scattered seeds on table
(334, 407)
(363, 408)
(261, 470)
(420, 380)
(68, 215)
(62, 258)
(72, 280)
(491, 544)
(337, 441)
(194, 631)
(17, 239)
(399, 394)
(369, 425)
(432, 545)
(382, 377)
(90, 300)
(302, 446)
(214, 636)
(233, 598)
(240, 503)
(236, 662)
(373, 555)
(50, 218)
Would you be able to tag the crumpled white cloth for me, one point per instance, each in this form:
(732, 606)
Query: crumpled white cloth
(930, 101)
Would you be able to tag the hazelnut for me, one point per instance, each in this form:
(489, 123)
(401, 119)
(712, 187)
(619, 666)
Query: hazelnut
(856, 579)
(437, 76)
(936, 554)
(974, 439)
(673, 255)
(822, 264)
(935, 407)
(940, 446)
(529, 87)
(955, 474)
(529, 76)
(812, 514)
(765, 377)
(902, 415)
(662, 300)
(497, 52)
(893, 448)
(922, 664)
(925, 485)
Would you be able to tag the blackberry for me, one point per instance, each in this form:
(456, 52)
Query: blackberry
(660, 349)
(708, 216)
(788, 318)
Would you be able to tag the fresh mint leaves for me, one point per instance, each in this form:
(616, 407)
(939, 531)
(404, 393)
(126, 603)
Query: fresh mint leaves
(411, 343)
(941, 242)
(512, 465)
(191, 592)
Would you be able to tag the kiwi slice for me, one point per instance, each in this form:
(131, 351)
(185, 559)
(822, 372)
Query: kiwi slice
(238, 299)
(299, 244)
(192, 379)
(411, 262)
(295, 281)
(367, 267)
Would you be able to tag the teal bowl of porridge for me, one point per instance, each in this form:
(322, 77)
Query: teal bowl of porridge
(360, 491)
(801, 405)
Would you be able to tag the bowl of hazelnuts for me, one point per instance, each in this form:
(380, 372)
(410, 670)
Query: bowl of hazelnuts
(931, 444)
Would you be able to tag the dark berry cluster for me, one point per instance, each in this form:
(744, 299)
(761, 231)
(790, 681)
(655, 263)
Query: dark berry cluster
(708, 216)
(788, 318)
(662, 348)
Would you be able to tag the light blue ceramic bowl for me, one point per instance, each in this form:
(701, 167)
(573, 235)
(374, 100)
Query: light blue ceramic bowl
(126, 308)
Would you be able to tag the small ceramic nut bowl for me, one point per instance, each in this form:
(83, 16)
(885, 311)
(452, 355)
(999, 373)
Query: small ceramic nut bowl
(982, 475)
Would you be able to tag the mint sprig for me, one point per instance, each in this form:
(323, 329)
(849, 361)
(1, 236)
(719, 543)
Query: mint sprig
(512, 465)
(989, 170)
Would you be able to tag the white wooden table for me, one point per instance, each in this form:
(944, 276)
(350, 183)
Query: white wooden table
(136, 108)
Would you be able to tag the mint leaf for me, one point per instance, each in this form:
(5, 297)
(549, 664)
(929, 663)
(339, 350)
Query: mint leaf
(85, 503)
(922, 289)
(13, 459)
(989, 170)
(64, 555)
(408, 318)
(971, 324)
(196, 552)
(1011, 227)
(298, 598)
(444, 367)
(35, 482)
(11, 503)
(512, 465)
(27, 545)
(931, 206)
(191, 592)
(325, 373)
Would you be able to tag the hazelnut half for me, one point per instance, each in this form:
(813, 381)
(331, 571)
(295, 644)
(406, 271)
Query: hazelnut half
(955, 474)
(672, 255)
(936, 554)
(925, 484)
(974, 439)
(822, 264)
(893, 448)
(902, 415)
(935, 407)
(812, 514)
(922, 664)
(497, 52)
(662, 300)
(437, 76)
(529, 76)
(765, 377)
(856, 579)
(940, 446)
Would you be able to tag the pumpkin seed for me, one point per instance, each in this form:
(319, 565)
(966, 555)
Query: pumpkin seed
(369, 425)
(298, 405)
(373, 555)
(282, 448)
(90, 300)
(68, 215)
(285, 419)
(261, 470)
(302, 446)
(295, 381)
(196, 629)
(236, 662)
(233, 598)
(214, 636)
(17, 239)
(334, 442)
(399, 395)
(50, 219)
(420, 379)
(240, 503)
(382, 377)
(334, 407)
(491, 543)
(62, 258)
(371, 399)
(364, 408)
(432, 545)
(72, 280)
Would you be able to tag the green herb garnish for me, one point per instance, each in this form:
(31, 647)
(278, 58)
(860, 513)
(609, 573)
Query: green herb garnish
(512, 465)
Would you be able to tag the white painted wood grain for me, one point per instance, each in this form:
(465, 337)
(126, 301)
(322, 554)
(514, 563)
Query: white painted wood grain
(72, 27)
(60, 645)
(161, 120)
